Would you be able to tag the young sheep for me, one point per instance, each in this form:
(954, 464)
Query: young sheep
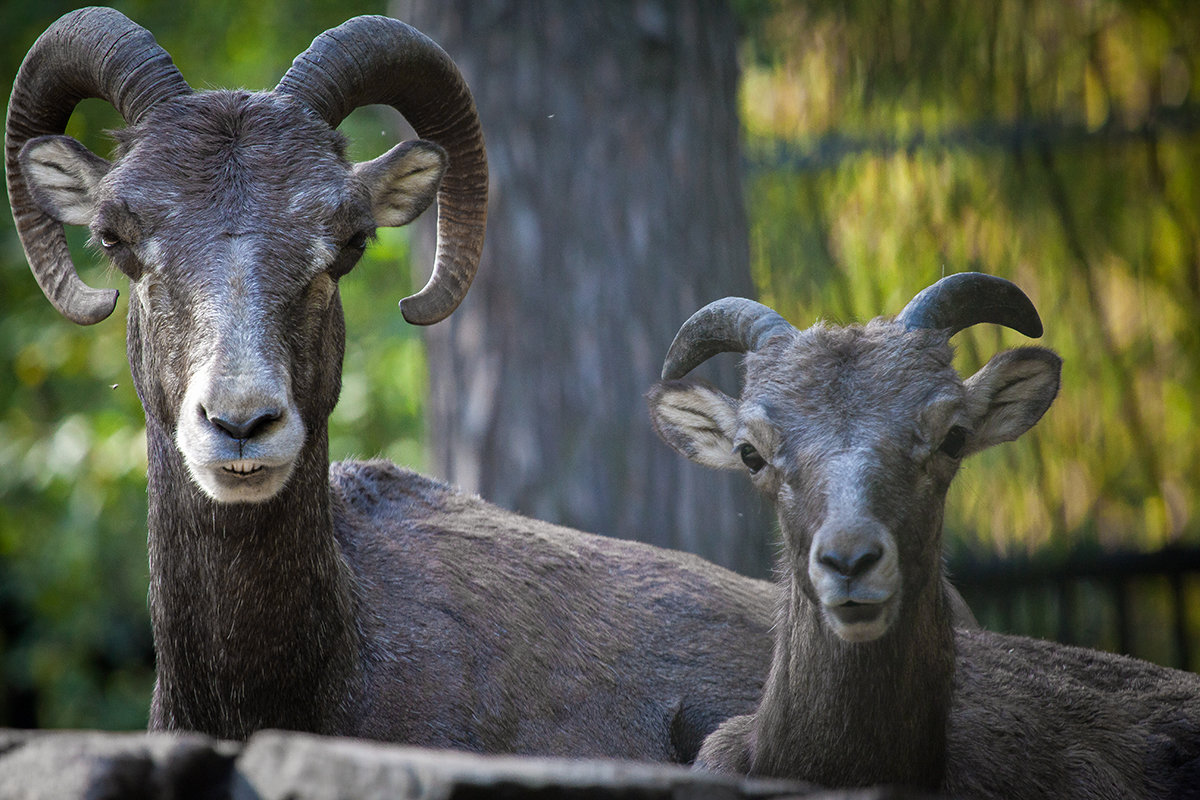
(855, 434)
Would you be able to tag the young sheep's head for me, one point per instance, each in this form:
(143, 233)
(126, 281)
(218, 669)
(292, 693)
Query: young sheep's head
(855, 433)
(234, 215)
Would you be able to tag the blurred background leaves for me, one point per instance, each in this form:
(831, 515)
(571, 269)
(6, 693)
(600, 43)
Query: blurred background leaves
(1053, 143)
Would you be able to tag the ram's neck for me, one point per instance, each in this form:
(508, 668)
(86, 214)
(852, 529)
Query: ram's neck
(251, 604)
(857, 714)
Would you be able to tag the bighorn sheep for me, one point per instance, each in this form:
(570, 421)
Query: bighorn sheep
(353, 598)
(855, 434)
(356, 598)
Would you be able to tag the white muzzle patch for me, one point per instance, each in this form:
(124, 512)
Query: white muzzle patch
(231, 459)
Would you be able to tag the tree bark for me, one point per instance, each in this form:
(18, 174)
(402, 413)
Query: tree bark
(616, 211)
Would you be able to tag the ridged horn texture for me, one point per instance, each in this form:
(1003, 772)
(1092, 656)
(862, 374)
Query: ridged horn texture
(374, 59)
(729, 325)
(969, 298)
(92, 52)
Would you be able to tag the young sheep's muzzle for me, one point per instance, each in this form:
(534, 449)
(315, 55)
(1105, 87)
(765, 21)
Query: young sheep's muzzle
(854, 568)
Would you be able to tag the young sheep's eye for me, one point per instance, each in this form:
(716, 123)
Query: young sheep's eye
(119, 253)
(750, 457)
(955, 442)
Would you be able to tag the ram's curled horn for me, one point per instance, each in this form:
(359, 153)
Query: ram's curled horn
(92, 52)
(729, 325)
(969, 298)
(382, 60)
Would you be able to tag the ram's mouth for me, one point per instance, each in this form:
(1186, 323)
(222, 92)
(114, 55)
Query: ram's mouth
(243, 468)
(243, 480)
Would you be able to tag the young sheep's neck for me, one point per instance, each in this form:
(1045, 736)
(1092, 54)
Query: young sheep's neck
(252, 604)
(844, 714)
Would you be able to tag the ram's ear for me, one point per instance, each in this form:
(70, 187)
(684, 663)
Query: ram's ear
(403, 181)
(62, 176)
(1010, 394)
(697, 420)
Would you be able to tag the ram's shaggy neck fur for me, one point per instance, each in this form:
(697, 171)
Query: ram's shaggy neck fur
(252, 604)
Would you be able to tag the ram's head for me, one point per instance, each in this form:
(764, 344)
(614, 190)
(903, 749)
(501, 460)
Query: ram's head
(234, 214)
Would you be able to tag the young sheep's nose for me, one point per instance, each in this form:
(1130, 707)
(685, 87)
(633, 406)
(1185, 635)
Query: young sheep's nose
(852, 562)
(245, 428)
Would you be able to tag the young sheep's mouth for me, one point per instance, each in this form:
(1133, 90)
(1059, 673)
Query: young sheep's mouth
(855, 613)
(854, 621)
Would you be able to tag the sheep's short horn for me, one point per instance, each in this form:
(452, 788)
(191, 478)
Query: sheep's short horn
(92, 52)
(381, 60)
(729, 325)
(969, 298)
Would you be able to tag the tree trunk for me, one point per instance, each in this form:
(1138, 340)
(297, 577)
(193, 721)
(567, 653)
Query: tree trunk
(616, 211)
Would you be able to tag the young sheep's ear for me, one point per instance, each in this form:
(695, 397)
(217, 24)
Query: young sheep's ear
(697, 420)
(403, 181)
(1010, 394)
(62, 176)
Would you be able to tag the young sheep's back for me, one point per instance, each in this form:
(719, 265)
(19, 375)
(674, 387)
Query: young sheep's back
(1035, 719)
(498, 633)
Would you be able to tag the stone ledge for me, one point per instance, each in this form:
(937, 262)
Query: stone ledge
(277, 765)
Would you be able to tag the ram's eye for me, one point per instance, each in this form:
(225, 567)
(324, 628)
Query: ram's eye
(750, 457)
(109, 239)
(351, 251)
(955, 442)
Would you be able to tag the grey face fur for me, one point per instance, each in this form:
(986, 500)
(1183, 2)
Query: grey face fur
(234, 215)
(855, 434)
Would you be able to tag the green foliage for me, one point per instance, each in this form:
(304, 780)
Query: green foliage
(1054, 144)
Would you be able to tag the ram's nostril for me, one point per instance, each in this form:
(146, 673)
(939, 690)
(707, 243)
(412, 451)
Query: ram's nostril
(852, 564)
(245, 428)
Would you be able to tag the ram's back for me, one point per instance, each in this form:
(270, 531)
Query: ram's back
(1038, 719)
(506, 634)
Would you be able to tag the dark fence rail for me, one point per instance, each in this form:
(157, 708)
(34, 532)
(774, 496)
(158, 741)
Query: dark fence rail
(1141, 604)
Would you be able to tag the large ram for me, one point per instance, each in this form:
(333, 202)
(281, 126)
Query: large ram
(356, 598)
